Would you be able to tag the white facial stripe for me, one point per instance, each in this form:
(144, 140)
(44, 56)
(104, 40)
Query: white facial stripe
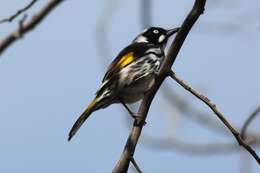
(161, 38)
(140, 39)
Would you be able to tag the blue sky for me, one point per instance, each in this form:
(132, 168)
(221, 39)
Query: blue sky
(50, 76)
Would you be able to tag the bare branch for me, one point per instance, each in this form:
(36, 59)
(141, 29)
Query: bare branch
(123, 164)
(20, 11)
(199, 116)
(220, 115)
(28, 26)
(191, 112)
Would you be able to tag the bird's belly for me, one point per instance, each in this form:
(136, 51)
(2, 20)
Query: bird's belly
(137, 90)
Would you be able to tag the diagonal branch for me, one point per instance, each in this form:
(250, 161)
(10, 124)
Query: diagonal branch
(214, 108)
(20, 11)
(28, 26)
(123, 163)
(199, 116)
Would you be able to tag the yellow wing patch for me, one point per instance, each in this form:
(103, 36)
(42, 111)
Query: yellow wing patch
(125, 60)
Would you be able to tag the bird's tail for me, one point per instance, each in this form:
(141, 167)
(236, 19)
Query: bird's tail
(92, 107)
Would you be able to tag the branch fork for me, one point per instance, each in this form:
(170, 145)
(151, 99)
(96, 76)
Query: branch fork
(165, 71)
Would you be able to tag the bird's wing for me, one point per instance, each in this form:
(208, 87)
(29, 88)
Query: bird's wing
(124, 58)
(127, 56)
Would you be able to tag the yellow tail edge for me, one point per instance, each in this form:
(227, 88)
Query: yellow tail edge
(82, 118)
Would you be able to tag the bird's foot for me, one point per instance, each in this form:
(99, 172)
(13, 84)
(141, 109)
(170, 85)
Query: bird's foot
(138, 120)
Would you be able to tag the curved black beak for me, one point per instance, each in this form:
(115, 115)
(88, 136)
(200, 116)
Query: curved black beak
(170, 32)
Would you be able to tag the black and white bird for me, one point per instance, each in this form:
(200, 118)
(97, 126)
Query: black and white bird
(131, 74)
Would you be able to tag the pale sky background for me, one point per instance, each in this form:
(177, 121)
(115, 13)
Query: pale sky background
(48, 78)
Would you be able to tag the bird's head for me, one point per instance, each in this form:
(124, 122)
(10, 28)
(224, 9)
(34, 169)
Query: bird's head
(155, 35)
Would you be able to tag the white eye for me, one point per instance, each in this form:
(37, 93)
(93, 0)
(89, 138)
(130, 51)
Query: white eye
(155, 31)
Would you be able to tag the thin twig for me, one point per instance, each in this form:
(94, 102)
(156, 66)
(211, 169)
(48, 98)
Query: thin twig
(194, 114)
(20, 11)
(135, 165)
(220, 115)
(21, 23)
(199, 116)
(248, 121)
(28, 26)
(245, 166)
(123, 163)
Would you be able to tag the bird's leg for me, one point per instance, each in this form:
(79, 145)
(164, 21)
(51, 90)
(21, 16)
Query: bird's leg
(133, 115)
